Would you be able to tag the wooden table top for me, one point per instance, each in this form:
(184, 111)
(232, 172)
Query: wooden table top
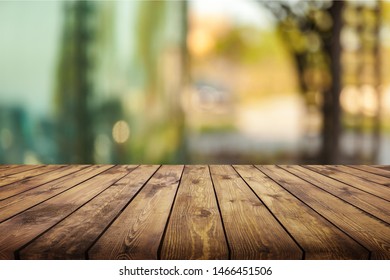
(194, 212)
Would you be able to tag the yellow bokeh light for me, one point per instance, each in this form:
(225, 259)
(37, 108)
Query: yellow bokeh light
(200, 42)
(121, 131)
(356, 100)
(369, 100)
(349, 99)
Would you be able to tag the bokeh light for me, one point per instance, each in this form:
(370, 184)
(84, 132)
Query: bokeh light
(120, 132)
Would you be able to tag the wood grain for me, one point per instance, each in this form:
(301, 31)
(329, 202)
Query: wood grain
(7, 166)
(356, 182)
(373, 170)
(176, 212)
(384, 167)
(18, 203)
(364, 175)
(252, 232)
(17, 169)
(71, 238)
(33, 182)
(22, 228)
(195, 228)
(27, 174)
(137, 232)
(318, 238)
(368, 231)
(372, 204)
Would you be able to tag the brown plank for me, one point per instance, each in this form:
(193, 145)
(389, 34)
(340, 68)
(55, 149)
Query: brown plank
(370, 203)
(137, 232)
(17, 169)
(252, 232)
(317, 237)
(373, 170)
(26, 226)
(364, 185)
(370, 232)
(18, 203)
(364, 175)
(30, 183)
(27, 174)
(384, 167)
(195, 229)
(71, 238)
(7, 166)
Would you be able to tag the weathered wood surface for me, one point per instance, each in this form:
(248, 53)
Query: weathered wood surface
(195, 228)
(194, 212)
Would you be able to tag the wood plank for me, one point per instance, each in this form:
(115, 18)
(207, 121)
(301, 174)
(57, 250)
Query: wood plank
(27, 174)
(317, 237)
(364, 175)
(373, 170)
(370, 203)
(384, 167)
(359, 183)
(195, 230)
(33, 182)
(137, 232)
(77, 174)
(17, 169)
(7, 166)
(252, 232)
(71, 238)
(26, 226)
(370, 232)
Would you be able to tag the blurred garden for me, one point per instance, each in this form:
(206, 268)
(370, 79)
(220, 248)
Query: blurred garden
(247, 82)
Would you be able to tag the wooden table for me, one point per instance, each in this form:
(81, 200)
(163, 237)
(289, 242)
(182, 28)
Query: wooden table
(194, 212)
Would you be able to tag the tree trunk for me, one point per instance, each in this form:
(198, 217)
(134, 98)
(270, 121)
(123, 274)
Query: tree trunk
(331, 104)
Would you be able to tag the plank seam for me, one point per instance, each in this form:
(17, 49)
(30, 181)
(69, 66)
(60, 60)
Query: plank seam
(273, 215)
(57, 168)
(220, 216)
(350, 203)
(17, 252)
(35, 167)
(369, 251)
(365, 170)
(367, 179)
(86, 253)
(306, 167)
(57, 193)
(159, 249)
(44, 182)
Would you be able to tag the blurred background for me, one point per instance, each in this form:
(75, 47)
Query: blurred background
(265, 82)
